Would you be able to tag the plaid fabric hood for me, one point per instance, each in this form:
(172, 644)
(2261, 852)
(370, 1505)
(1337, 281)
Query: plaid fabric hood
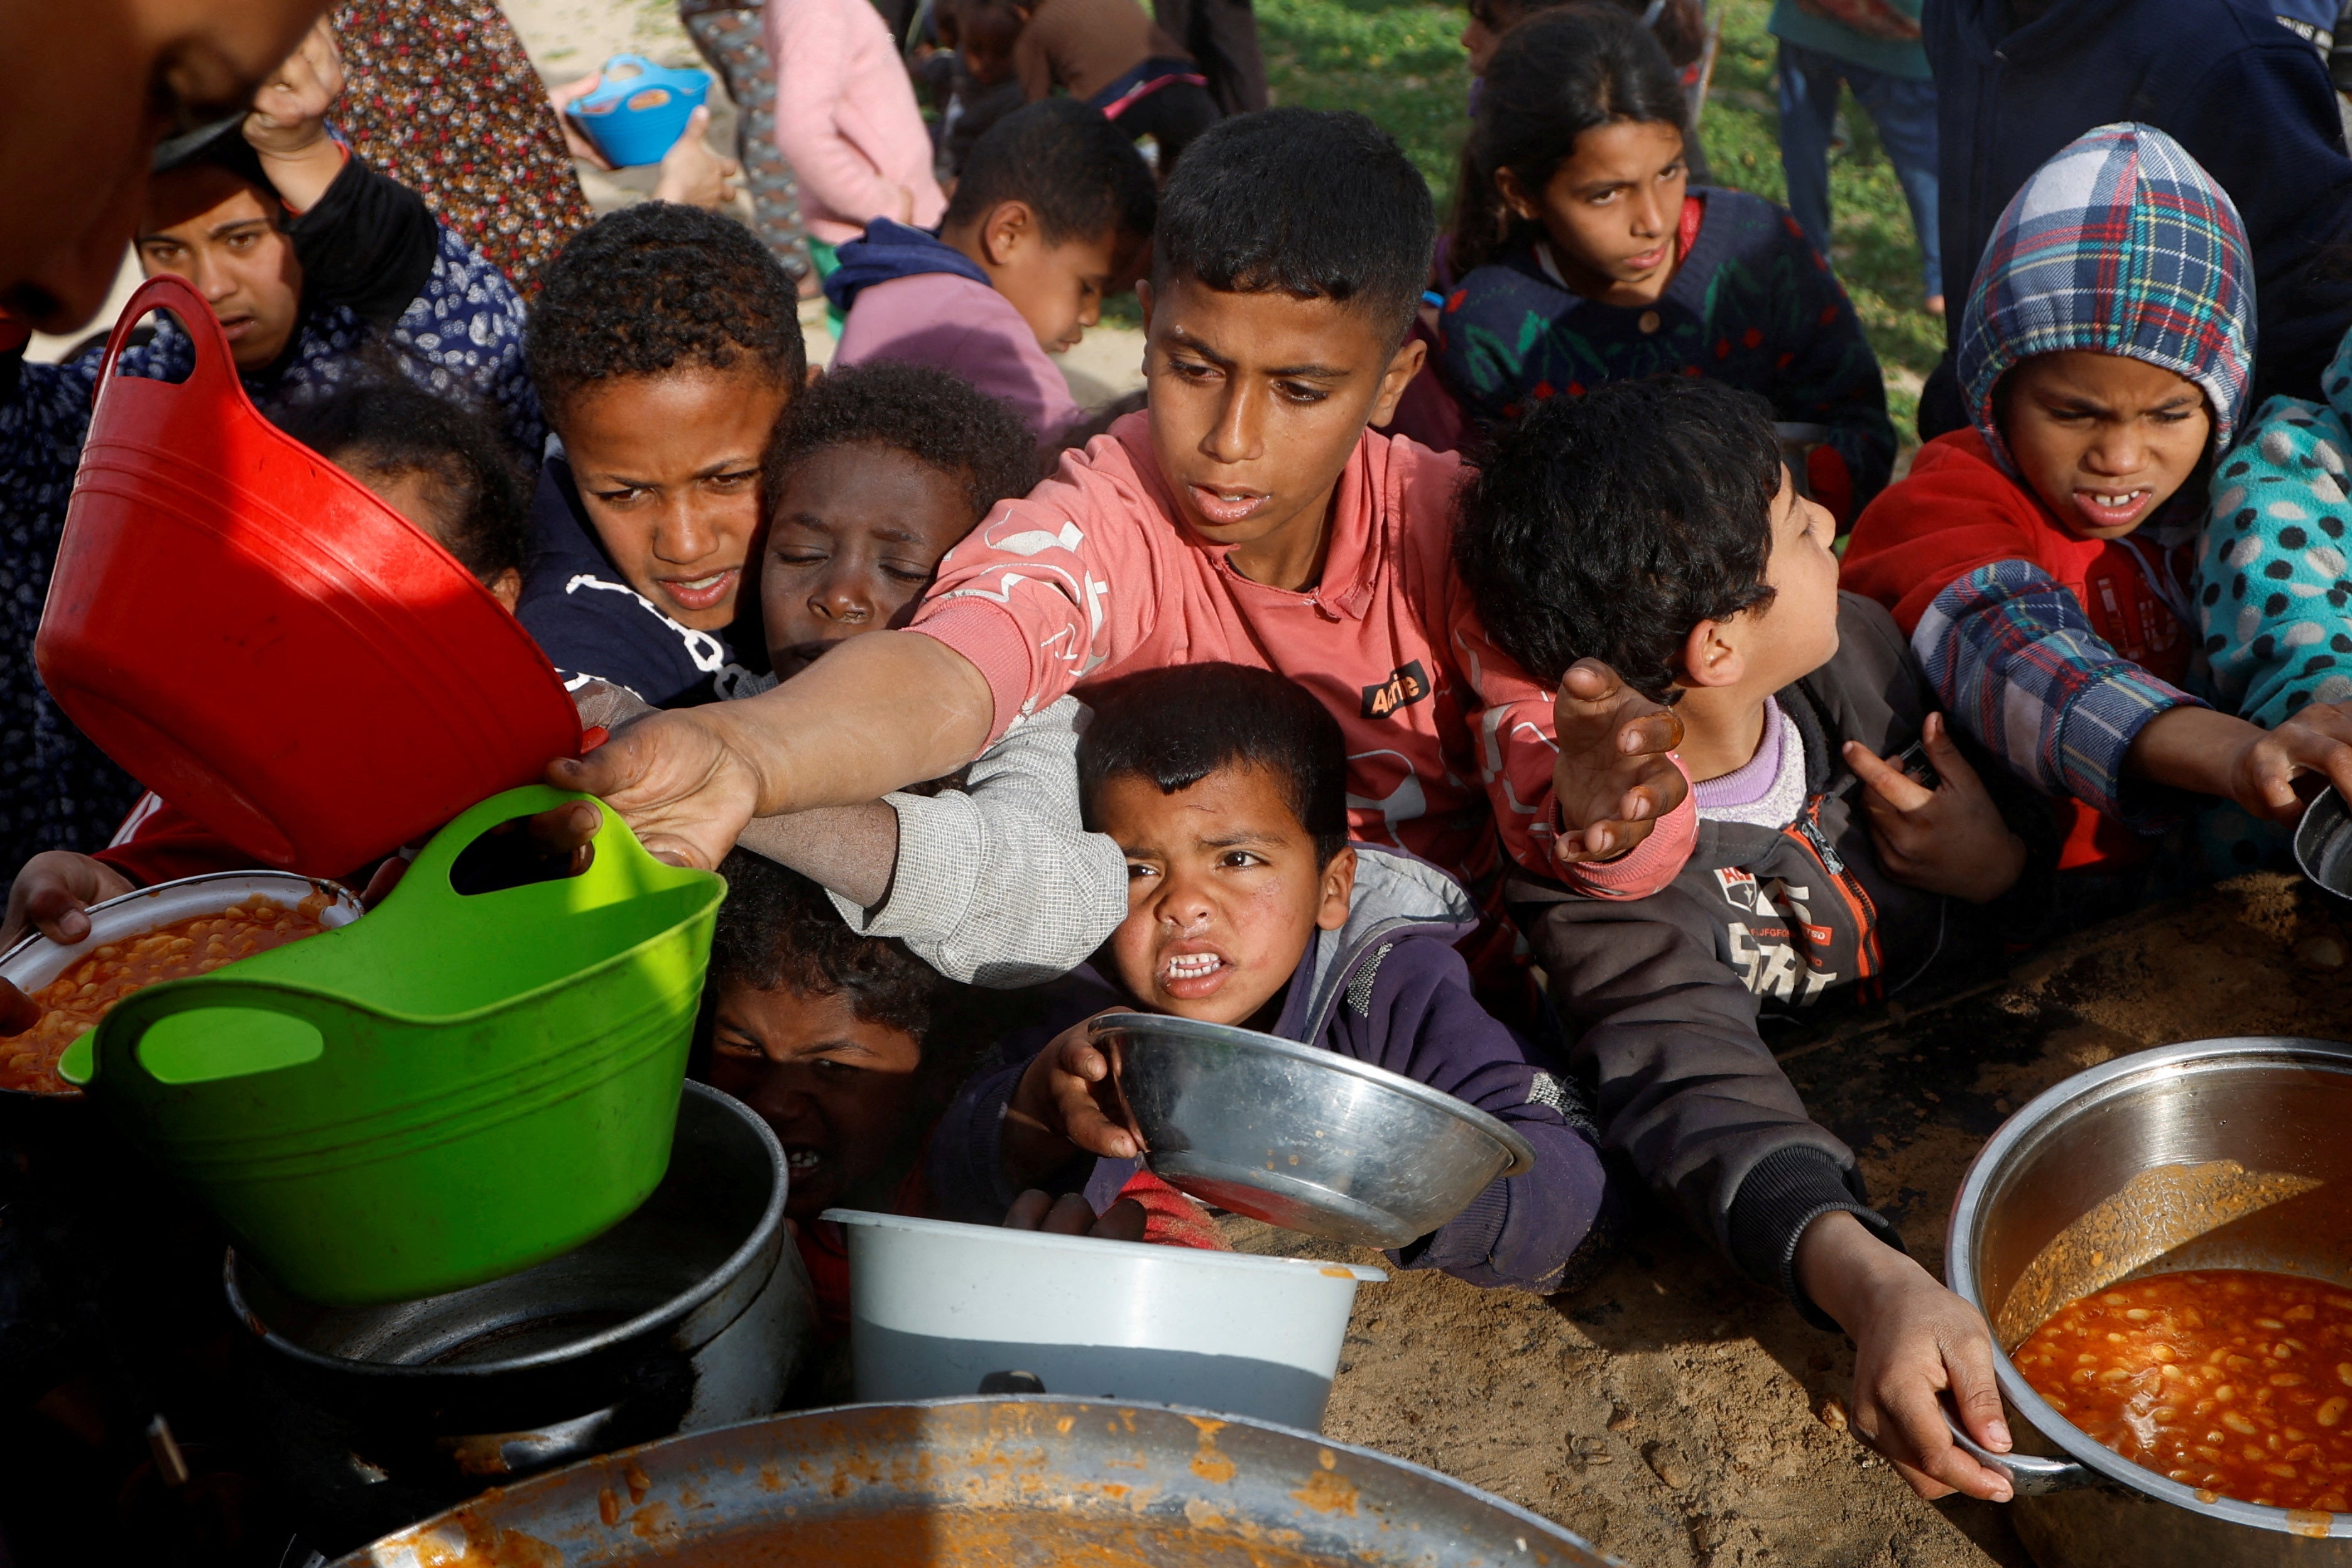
(2123, 244)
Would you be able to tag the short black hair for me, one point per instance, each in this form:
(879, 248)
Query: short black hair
(933, 415)
(1177, 725)
(1607, 526)
(390, 428)
(1079, 173)
(1316, 204)
(777, 930)
(659, 287)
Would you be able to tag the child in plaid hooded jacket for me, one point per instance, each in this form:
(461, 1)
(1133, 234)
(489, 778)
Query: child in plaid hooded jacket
(2039, 560)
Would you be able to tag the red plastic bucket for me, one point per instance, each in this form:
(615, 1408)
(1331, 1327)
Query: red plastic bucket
(254, 636)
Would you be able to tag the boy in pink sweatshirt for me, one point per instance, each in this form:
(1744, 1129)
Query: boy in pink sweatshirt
(1248, 516)
(1053, 208)
(846, 121)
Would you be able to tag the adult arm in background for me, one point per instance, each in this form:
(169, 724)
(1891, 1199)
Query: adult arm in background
(287, 123)
(994, 884)
(875, 714)
(809, 44)
(689, 173)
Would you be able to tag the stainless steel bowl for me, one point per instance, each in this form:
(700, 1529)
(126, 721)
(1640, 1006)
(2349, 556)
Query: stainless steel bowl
(2119, 1172)
(991, 1483)
(35, 961)
(2323, 844)
(1302, 1138)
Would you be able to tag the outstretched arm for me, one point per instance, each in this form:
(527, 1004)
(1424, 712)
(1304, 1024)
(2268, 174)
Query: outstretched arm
(878, 713)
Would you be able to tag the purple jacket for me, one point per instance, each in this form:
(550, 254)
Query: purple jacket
(910, 296)
(1388, 988)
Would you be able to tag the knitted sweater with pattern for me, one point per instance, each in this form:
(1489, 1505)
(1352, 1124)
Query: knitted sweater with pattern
(1750, 303)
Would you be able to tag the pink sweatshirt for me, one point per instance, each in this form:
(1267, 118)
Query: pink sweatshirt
(938, 318)
(1093, 576)
(846, 118)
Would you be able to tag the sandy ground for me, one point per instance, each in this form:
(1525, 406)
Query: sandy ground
(1671, 1413)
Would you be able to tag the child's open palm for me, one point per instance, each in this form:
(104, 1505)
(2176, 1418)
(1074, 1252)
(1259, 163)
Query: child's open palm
(1614, 779)
(1948, 839)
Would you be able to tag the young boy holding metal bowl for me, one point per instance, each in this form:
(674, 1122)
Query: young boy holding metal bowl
(1225, 787)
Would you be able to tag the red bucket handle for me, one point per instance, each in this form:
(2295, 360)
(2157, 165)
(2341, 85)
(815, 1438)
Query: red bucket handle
(169, 291)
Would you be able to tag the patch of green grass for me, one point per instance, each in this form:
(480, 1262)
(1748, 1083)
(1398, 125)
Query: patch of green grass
(1400, 61)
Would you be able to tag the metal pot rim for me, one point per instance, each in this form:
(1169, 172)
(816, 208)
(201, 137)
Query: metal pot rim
(2305, 841)
(1537, 1525)
(1960, 1264)
(1522, 1153)
(764, 1233)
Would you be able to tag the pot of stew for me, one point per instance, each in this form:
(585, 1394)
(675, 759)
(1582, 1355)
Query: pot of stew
(2163, 1247)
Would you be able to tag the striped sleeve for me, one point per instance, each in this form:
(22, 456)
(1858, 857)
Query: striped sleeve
(2015, 661)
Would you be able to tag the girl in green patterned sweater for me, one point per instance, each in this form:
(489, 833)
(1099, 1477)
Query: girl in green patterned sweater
(1584, 256)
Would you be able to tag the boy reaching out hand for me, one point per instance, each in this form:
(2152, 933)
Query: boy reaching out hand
(1653, 525)
(1247, 515)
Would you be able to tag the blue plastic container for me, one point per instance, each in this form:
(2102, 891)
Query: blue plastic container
(639, 110)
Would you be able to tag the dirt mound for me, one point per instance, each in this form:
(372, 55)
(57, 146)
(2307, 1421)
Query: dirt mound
(1671, 1413)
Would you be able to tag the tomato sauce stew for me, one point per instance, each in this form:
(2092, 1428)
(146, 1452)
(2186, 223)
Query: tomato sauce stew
(73, 1003)
(2233, 1382)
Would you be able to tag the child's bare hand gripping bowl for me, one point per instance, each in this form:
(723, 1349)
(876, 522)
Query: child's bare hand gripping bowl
(1946, 839)
(1066, 1101)
(1913, 1340)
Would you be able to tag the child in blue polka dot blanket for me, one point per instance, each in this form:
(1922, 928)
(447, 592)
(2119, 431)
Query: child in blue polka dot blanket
(2274, 592)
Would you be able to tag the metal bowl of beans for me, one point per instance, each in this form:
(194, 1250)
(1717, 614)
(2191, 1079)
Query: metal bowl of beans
(2110, 1194)
(121, 930)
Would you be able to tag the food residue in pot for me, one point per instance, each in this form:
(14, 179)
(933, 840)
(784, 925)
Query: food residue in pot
(2230, 1381)
(72, 1003)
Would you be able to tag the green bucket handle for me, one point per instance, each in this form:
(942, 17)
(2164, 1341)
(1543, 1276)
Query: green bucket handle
(620, 870)
(280, 1023)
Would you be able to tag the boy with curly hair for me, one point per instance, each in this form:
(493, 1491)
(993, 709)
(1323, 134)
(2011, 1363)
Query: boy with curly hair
(1653, 524)
(665, 342)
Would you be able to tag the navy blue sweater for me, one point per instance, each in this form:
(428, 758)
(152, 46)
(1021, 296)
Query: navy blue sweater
(2248, 98)
(1389, 989)
(592, 625)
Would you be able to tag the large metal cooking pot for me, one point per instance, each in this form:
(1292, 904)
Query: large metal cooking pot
(2215, 1154)
(692, 1313)
(991, 1483)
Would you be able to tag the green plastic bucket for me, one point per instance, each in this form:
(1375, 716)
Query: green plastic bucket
(456, 1086)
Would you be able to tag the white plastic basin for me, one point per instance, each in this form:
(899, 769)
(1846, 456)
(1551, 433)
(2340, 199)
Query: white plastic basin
(937, 1309)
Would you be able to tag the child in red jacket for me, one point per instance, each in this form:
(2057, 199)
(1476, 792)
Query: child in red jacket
(2040, 561)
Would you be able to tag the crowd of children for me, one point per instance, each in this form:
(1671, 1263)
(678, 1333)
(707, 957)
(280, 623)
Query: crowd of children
(1550, 772)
